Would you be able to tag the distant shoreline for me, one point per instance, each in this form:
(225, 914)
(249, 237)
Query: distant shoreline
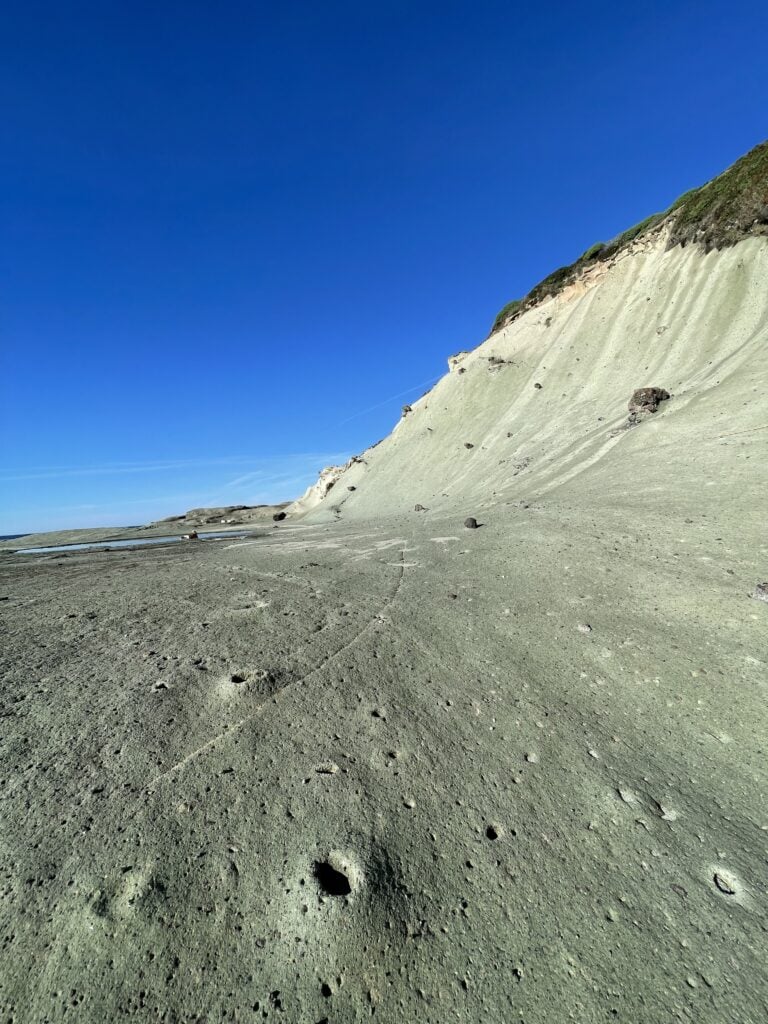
(103, 535)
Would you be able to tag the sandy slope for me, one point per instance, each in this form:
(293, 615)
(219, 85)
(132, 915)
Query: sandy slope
(695, 324)
(535, 753)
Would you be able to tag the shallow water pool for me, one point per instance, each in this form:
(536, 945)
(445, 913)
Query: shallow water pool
(132, 543)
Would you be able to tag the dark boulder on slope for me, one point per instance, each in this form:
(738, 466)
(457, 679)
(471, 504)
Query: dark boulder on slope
(647, 400)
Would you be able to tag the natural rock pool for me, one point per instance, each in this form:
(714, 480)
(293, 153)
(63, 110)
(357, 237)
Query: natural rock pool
(132, 543)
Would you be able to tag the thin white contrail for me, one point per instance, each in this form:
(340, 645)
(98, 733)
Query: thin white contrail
(391, 398)
(117, 469)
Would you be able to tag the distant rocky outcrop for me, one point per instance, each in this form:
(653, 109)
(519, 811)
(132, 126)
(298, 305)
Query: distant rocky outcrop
(455, 361)
(315, 493)
(223, 515)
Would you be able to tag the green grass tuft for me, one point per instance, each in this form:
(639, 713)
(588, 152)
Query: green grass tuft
(592, 252)
(726, 209)
(505, 315)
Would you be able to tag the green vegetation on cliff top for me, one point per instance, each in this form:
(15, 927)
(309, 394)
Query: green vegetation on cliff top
(720, 213)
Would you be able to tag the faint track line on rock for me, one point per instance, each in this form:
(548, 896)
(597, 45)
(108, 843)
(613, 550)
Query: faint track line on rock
(241, 723)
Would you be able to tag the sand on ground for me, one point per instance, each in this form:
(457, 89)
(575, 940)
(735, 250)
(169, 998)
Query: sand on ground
(375, 765)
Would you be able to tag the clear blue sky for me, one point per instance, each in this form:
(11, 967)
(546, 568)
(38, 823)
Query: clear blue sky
(229, 230)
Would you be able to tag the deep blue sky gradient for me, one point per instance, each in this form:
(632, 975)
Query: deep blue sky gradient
(229, 230)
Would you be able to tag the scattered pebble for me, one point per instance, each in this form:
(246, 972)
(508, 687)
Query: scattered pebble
(584, 627)
(532, 758)
(724, 883)
(471, 523)
(760, 593)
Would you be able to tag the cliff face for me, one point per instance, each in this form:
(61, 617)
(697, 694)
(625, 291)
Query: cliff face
(540, 409)
(724, 211)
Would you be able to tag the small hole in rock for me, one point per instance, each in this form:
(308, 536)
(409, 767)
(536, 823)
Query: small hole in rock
(331, 881)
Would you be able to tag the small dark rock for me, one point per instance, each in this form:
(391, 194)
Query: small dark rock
(643, 403)
(468, 444)
(471, 523)
(760, 592)
(723, 885)
(537, 386)
(407, 409)
(647, 399)
(279, 517)
(351, 487)
(419, 508)
(462, 369)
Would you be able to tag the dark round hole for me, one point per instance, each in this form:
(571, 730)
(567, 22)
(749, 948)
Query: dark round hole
(331, 881)
(491, 832)
(326, 989)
